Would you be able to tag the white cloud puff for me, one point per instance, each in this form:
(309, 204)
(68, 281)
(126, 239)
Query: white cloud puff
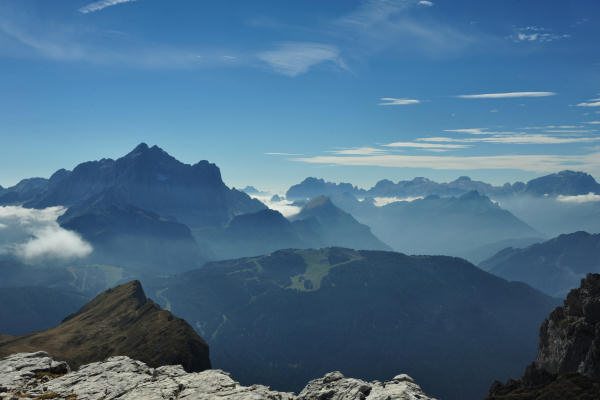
(32, 234)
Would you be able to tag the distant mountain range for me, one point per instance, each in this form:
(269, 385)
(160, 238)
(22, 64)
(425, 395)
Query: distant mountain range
(319, 224)
(553, 267)
(150, 212)
(418, 216)
(458, 226)
(120, 321)
(150, 179)
(290, 316)
(567, 183)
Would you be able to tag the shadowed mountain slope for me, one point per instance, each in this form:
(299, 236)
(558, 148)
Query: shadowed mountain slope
(294, 315)
(554, 266)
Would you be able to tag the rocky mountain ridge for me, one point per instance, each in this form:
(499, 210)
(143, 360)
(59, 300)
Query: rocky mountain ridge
(37, 375)
(567, 365)
(566, 183)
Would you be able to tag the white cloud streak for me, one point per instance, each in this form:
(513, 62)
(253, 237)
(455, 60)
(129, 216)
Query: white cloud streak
(392, 101)
(274, 153)
(296, 58)
(507, 95)
(590, 103)
(534, 162)
(100, 5)
(582, 198)
(470, 131)
(425, 3)
(427, 145)
(359, 151)
(516, 139)
(32, 234)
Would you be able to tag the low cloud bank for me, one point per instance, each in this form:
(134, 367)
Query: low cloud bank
(581, 198)
(284, 206)
(32, 234)
(384, 201)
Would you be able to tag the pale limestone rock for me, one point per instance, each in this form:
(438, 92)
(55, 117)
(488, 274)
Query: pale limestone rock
(126, 379)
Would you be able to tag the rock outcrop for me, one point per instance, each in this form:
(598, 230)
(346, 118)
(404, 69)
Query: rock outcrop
(119, 322)
(570, 337)
(37, 375)
(568, 360)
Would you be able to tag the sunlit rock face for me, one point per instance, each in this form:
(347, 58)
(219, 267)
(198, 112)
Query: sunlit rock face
(37, 374)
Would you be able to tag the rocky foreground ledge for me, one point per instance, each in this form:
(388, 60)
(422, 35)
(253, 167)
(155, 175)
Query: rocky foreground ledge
(38, 376)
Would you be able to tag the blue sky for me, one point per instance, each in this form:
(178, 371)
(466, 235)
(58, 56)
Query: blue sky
(274, 91)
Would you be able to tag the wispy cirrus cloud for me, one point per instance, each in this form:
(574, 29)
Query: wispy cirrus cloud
(535, 34)
(274, 153)
(505, 95)
(427, 145)
(392, 101)
(295, 58)
(516, 139)
(470, 131)
(528, 162)
(102, 4)
(377, 25)
(358, 151)
(35, 38)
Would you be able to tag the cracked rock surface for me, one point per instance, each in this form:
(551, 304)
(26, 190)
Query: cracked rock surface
(37, 375)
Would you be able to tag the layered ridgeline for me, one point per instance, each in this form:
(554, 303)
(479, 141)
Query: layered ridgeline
(568, 360)
(563, 202)
(554, 267)
(148, 178)
(131, 207)
(567, 183)
(120, 321)
(294, 315)
(319, 224)
(151, 213)
(458, 226)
